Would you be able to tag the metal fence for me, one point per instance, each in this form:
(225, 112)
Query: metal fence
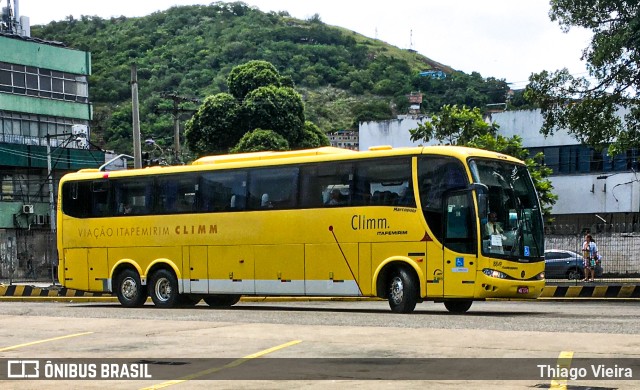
(28, 255)
(618, 244)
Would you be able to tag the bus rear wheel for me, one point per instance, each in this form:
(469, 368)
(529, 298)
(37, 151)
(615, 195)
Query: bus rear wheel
(164, 288)
(458, 306)
(403, 292)
(221, 300)
(129, 289)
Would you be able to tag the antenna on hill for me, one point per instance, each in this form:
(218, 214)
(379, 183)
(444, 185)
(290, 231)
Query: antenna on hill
(376, 36)
(411, 41)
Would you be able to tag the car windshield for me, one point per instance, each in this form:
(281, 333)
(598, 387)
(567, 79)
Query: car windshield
(512, 226)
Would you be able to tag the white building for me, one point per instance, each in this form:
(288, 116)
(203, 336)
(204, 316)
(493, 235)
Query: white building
(591, 186)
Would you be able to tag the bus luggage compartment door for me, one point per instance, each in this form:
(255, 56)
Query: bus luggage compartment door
(76, 269)
(279, 269)
(197, 273)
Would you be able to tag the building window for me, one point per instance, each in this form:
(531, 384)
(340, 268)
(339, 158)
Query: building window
(571, 159)
(17, 128)
(32, 81)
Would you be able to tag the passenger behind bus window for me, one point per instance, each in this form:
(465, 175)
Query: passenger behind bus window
(265, 203)
(335, 198)
(127, 209)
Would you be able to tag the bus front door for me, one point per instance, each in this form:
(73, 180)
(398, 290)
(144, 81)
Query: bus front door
(459, 252)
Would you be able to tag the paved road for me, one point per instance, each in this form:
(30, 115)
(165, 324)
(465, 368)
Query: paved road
(542, 330)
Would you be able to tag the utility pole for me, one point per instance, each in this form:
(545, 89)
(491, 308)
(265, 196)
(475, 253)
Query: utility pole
(137, 151)
(175, 112)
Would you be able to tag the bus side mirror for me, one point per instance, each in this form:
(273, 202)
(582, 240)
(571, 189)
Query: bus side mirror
(483, 199)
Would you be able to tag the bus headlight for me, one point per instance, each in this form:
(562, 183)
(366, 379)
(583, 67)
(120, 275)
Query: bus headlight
(540, 276)
(494, 273)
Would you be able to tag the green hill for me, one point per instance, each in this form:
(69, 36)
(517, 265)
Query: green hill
(188, 51)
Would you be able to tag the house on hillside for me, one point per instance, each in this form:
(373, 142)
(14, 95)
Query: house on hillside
(345, 139)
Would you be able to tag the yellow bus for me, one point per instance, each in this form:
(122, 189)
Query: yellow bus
(407, 225)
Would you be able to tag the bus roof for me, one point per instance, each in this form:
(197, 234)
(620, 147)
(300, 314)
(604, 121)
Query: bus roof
(459, 151)
(268, 155)
(266, 158)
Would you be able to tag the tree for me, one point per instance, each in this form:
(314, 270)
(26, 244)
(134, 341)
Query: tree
(214, 127)
(313, 137)
(604, 111)
(371, 111)
(278, 108)
(223, 120)
(252, 75)
(465, 127)
(260, 140)
(453, 126)
(539, 172)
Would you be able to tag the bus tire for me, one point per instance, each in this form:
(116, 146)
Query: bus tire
(458, 306)
(129, 289)
(403, 291)
(222, 300)
(163, 288)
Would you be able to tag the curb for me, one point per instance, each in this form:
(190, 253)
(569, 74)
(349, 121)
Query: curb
(17, 290)
(26, 293)
(592, 291)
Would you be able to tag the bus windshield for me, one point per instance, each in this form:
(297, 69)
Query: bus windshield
(512, 225)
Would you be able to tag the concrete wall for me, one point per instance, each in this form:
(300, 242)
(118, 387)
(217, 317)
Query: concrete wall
(527, 124)
(394, 132)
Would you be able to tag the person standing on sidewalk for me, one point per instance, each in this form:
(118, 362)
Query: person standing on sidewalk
(590, 255)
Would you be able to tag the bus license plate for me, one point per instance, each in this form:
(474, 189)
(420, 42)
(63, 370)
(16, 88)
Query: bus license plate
(523, 290)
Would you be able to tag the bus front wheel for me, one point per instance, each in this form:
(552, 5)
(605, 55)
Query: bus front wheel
(163, 288)
(458, 306)
(129, 289)
(221, 300)
(403, 292)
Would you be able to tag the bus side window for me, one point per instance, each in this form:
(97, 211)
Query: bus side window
(100, 198)
(221, 191)
(77, 199)
(436, 176)
(273, 188)
(318, 181)
(383, 182)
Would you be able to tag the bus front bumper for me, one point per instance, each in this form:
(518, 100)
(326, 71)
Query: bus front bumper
(490, 287)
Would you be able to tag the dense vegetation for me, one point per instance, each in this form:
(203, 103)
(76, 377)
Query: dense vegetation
(189, 51)
(602, 108)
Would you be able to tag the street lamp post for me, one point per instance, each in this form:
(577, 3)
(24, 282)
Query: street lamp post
(152, 142)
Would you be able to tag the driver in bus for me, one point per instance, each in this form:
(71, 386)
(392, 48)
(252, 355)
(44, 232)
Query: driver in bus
(493, 227)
